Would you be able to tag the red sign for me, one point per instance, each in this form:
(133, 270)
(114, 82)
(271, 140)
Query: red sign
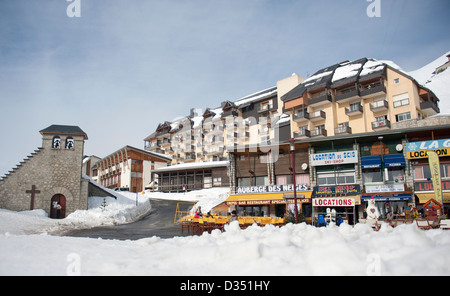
(333, 202)
(428, 186)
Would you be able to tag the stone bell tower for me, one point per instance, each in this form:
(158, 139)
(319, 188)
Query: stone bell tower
(50, 178)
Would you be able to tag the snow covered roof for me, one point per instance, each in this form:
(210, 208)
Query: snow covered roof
(344, 73)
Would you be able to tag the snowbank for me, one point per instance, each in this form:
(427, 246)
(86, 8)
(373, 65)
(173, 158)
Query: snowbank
(26, 248)
(119, 210)
(290, 250)
(206, 198)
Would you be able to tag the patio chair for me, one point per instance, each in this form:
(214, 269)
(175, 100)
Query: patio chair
(423, 224)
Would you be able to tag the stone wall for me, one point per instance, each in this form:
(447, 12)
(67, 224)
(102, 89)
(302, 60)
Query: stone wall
(52, 171)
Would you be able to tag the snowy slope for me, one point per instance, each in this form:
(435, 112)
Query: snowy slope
(438, 83)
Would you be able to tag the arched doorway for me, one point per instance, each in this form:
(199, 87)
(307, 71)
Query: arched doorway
(58, 207)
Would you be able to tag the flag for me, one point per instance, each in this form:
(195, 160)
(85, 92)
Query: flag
(433, 160)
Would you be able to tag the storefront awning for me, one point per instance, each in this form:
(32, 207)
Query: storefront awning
(394, 160)
(425, 197)
(371, 162)
(261, 199)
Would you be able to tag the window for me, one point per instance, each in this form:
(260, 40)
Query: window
(244, 182)
(422, 172)
(396, 174)
(69, 143)
(287, 179)
(338, 178)
(56, 143)
(403, 116)
(261, 181)
(355, 106)
(401, 100)
(217, 181)
(372, 176)
(381, 118)
(397, 80)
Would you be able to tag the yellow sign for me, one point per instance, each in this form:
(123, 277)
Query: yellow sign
(423, 153)
(435, 169)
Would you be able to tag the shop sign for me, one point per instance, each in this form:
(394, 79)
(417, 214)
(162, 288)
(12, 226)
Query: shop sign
(337, 190)
(428, 145)
(418, 149)
(270, 188)
(334, 158)
(385, 188)
(423, 153)
(255, 202)
(428, 186)
(333, 202)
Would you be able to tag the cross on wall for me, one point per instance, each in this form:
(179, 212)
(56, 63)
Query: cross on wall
(33, 192)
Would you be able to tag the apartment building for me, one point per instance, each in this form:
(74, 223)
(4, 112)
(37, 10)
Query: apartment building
(129, 168)
(356, 97)
(208, 136)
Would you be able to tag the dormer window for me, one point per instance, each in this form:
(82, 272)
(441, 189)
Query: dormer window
(69, 143)
(56, 144)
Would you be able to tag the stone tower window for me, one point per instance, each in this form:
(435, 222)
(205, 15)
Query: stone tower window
(56, 143)
(69, 143)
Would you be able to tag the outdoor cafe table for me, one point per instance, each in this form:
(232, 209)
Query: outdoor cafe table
(200, 225)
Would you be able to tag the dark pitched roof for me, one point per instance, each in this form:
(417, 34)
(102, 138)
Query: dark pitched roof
(64, 130)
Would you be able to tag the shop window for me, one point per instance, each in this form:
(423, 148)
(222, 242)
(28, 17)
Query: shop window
(207, 182)
(261, 181)
(335, 178)
(283, 180)
(217, 181)
(396, 174)
(372, 176)
(56, 143)
(244, 182)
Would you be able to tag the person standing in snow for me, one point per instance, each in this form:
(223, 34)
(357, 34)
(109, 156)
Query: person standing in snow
(58, 210)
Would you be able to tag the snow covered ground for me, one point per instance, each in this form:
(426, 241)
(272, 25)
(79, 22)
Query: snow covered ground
(27, 248)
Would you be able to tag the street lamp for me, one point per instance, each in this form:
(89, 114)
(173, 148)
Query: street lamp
(292, 148)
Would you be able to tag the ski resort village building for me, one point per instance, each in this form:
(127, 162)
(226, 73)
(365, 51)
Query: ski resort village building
(363, 112)
(129, 168)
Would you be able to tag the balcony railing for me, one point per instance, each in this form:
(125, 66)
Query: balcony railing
(372, 88)
(347, 94)
(430, 108)
(302, 133)
(319, 132)
(354, 110)
(343, 130)
(379, 106)
(381, 124)
(318, 115)
(300, 116)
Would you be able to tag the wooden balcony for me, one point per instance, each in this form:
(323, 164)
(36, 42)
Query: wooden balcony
(372, 89)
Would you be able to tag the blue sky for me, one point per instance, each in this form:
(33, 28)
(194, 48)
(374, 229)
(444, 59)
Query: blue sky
(125, 66)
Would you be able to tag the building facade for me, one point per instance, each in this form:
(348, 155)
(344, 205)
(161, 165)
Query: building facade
(50, 177)
(362, 96)
(129, 168)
